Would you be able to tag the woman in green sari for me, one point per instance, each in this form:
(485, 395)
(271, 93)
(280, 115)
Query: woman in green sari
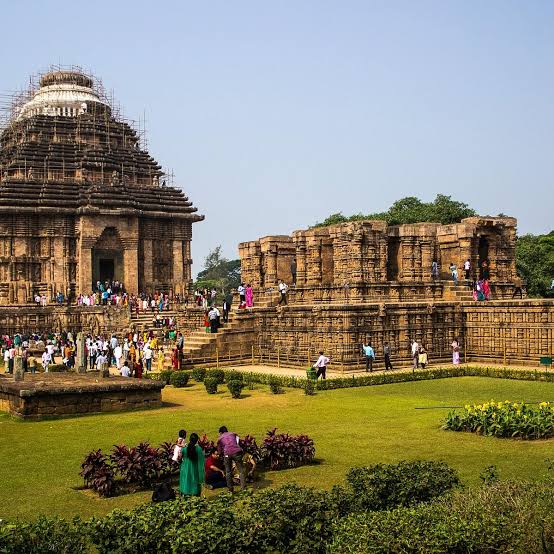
(191, 475)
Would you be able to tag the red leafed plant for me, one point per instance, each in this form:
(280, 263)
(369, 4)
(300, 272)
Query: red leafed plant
(98, 474)
(207, 445)
(281, 450)
(140, 464)
(248, 444)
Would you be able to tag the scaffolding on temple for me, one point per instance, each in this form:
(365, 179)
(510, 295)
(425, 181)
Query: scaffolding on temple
(100, 124)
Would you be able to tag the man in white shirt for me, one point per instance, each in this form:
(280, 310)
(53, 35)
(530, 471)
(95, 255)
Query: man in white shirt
(147, 357)
(118, 355)
(415, 353)
(46, 360)
(101, 361)
(242, 293)
(467, 269)
(283, 288)
(321, 365)
(125, 371)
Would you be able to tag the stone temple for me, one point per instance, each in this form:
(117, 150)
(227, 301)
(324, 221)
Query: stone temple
(81, 201)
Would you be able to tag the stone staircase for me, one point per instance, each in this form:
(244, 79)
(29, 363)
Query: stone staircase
(198, 340)
(143, 321)
(461, 293)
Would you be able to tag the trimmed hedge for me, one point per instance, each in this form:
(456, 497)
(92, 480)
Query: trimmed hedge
(398, 377)
(503, 517)
(179, 378)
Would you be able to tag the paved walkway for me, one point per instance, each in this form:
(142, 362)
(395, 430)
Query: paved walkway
(292, 372)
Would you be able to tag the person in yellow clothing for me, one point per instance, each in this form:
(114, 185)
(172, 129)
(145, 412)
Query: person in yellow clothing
(161, 359)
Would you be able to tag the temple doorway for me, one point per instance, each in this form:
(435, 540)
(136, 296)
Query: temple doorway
(483, 253)
(106, 269)
(107, 258)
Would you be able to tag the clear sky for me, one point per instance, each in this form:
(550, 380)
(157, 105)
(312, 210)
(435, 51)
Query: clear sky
(273, 115)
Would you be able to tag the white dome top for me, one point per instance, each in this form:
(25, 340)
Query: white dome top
(61, 94)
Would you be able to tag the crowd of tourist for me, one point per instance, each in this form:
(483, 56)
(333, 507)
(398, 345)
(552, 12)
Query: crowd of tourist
(131, 354)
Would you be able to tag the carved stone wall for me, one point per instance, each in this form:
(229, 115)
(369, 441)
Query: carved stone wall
(367, 260)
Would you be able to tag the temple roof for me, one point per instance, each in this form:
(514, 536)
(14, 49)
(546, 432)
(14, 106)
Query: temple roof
(62, 93)
(65, 150)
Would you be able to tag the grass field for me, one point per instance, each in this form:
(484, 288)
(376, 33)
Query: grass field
(39, 461)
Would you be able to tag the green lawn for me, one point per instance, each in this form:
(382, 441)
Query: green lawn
(360, 426)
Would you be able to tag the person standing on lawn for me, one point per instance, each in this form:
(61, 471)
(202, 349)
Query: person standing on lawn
(369, 354)
(229, 449)
(191, 474)
(321, 365)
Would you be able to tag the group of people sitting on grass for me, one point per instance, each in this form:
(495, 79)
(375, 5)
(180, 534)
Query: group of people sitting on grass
(214, 466)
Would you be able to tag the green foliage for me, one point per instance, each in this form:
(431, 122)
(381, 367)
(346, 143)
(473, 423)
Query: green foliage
(390, 378)
(219, 272)
(535, 262)
(275, 386)
(412, 210)
(44, 535)
(386, 486)
(235, 388)
(503, 517)
(499, 517)
(289, 519)
(198, 374)
(163, 376)
(309, 387)
(217, 374)
(504, 419)
(233, 375)
(211, 384)
(179, 378)
(489, 475)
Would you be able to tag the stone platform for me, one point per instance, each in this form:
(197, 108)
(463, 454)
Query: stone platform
(60, 394)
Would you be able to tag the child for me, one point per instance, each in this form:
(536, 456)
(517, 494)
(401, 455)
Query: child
(180, 443)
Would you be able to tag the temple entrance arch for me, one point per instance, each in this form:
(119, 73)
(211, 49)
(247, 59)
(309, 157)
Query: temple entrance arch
(107, 257)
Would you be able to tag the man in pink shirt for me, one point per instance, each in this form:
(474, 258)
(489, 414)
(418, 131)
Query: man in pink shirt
(229, 449)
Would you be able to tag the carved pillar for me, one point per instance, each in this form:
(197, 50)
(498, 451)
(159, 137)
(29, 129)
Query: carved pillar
(147, 263)
(130, 263)
(178, 275)
(85, 265)
(300, 242)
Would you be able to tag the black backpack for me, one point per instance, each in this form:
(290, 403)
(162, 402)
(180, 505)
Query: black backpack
(163, 492)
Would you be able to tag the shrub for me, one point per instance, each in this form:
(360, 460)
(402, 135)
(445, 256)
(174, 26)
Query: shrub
(211, 385)
(281, 450)
(504, 419)
(249, 381)
(248, 444)
(309, 387)
(217, 374)
(198, 374)
(163, 376)
(44, 535)
(385, 486)
(275, 386)
(141, 465)
(235, 388)
(496, 518)
(179, 379)
(233, 375)
(290, 519)
(167, 465)
(97, 473)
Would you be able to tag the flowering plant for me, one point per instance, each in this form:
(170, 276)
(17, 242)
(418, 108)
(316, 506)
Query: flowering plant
(504, 419)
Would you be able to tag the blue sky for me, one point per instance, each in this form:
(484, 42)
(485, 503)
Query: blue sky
(273, 115)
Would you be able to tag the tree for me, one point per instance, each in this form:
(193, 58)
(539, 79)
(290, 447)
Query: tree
(219, 272)
(412, 210)
(535, 262)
